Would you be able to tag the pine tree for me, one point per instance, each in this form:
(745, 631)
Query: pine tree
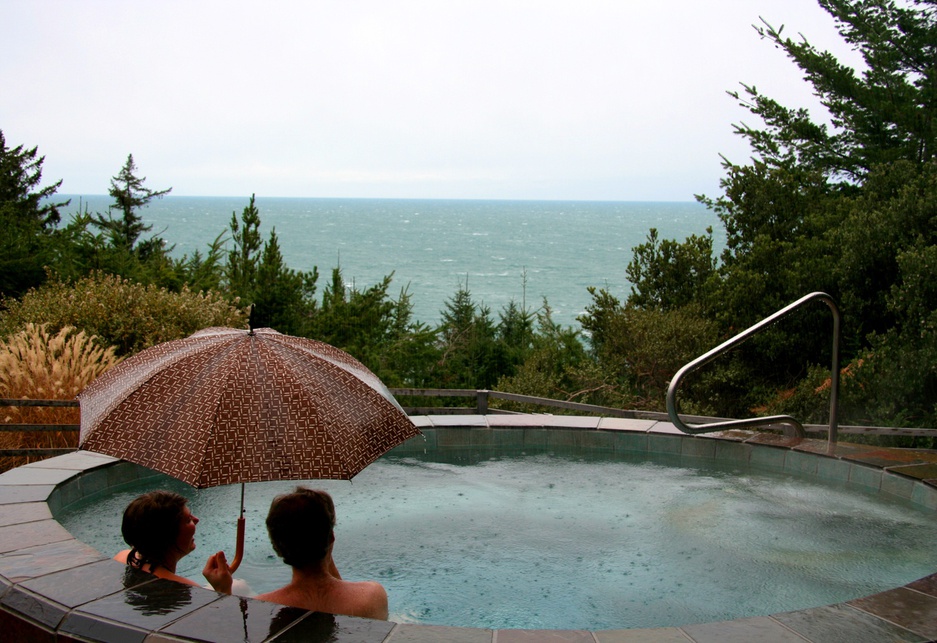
(20, 194)
(129, 196)
(842, 203)
(244, 257)
(791, 213)
(28, 219)
(283, 297)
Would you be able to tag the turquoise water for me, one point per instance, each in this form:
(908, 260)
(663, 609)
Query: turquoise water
(567, 542)
(432, 246)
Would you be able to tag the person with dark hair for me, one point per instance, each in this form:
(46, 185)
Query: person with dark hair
(160, 530)
(301, 527)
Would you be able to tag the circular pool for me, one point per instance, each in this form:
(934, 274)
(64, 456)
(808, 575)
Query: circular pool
(573, 537)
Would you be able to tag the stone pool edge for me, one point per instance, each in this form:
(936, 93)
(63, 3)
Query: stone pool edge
(56, 588)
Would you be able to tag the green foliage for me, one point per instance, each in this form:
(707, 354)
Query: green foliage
(244, 257)
(640, 349)
(359, 321)
(845, 205)
(836, 208)
(129, 196)
(120, 313)
(20, 194)
(812, 189)
(283, 298)
(896, 380)
(27, 219)
(410, 353)
(515, 335)
(471, 355)
(665, 274)
(776, 222)
(895, 213)
(377, 330)
(556, 367)
(116, 248)
(200, 272)
(880, 116)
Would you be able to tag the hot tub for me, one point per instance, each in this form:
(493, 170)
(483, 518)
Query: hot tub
(52, 583)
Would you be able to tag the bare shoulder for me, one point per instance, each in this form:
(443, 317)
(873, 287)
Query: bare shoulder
(374, 588)
(168, 575)
(367, 599)
(276, 596)
(370, 599)
(121, 557)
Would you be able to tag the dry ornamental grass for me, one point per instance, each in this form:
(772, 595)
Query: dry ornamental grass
(35, 364)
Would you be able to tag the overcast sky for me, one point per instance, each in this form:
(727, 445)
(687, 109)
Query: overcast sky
(541, 99)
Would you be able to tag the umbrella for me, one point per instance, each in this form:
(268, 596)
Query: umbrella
(224, 406)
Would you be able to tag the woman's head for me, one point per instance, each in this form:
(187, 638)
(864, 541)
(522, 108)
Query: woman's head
(300, 526)
(159, 528)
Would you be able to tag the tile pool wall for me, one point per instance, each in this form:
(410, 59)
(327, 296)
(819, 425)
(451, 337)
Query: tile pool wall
(56, 588)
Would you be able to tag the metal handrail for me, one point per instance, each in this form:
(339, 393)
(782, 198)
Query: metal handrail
(786, 420)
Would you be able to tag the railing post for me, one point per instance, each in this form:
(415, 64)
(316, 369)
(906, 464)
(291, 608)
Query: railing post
(481, 398)
(833, 434)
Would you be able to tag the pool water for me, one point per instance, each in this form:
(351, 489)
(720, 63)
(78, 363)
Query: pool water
(568, 542)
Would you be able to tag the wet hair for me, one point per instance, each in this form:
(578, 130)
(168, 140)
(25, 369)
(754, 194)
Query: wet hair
(151, 526)
(300, 525)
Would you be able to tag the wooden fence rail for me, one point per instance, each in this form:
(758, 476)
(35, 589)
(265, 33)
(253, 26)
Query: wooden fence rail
(37, 453)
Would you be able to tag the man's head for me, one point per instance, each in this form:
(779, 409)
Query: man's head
(300, 526)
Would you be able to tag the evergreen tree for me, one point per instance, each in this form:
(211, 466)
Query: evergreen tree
(411, 352)
(283, 298)
(557, 367)
(471, 356)
(28, 219)
(244, 257)
(203, 272)
(884, 114)
(515, 335)
(256, 274)
(844, 203)
(130, 196)
(358, 321)
(783, 212)
(666, 275)
(20, 194)
(867, 198)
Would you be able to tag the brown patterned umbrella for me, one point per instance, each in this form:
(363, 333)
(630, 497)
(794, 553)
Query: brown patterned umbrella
(225, 405)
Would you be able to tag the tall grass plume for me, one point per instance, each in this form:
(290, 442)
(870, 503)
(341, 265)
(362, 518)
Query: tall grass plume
(35, 364)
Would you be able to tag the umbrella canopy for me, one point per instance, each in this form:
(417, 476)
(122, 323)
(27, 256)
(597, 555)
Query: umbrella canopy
(225, 405)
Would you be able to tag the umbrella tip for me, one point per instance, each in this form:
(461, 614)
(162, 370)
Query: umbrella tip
(250, 320)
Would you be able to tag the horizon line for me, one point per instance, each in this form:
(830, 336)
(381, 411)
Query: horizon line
(396, 198)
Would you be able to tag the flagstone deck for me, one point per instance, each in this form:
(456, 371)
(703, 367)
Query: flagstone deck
(56, 588)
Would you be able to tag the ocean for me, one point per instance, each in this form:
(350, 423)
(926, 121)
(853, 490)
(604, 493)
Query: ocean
(523, 251)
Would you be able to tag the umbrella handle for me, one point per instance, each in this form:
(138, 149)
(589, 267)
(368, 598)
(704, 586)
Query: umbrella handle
(239, 549)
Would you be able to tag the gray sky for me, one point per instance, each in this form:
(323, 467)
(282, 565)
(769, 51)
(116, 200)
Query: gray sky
(539, 99)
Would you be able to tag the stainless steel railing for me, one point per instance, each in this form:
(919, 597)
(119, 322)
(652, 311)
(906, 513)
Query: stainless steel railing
(793, 426)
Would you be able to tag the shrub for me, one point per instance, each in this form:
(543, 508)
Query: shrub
(120, 313)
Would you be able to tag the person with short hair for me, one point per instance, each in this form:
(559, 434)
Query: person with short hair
(160, 530)
(301, 527)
